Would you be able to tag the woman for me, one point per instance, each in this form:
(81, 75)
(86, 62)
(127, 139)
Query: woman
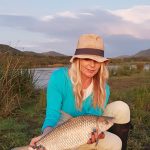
(83, 90)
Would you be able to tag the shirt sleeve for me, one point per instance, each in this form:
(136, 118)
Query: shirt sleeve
(54, 101)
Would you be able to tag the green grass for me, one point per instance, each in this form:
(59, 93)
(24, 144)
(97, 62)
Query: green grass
(18, 129)
(135, 90)
(12, 133)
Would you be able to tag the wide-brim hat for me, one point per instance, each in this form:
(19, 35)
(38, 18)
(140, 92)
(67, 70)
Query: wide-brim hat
(90, 46)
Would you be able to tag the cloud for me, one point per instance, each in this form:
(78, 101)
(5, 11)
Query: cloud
(122, 29)
(47, 18)
(66, 23)
(137, 14)
(68, 14)
(87, 14)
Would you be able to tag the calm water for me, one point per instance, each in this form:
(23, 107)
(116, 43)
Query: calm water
(42, 75)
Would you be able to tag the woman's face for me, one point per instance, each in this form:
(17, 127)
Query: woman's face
(89, 67)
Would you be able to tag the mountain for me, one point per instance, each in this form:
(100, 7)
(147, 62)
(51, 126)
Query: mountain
(31, 53)
(123, 56)
(13, 51)
(52, 53)
(143, 53)
(9, 50)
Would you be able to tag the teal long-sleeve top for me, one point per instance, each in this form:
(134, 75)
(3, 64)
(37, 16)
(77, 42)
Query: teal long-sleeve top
(60, 97)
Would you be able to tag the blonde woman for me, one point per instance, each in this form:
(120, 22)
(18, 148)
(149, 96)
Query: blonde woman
(82, 89)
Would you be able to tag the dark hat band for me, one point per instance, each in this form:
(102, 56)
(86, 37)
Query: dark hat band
(89, 51)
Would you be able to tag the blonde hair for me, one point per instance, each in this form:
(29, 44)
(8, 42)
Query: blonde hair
(99, 83)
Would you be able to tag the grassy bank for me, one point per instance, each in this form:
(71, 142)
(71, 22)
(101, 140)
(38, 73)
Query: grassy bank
(24, 123)
(135, 90)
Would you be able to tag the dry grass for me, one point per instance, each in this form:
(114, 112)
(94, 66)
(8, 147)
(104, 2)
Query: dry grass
(16, 85)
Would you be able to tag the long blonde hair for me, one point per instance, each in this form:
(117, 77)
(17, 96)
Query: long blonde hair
(99, 83)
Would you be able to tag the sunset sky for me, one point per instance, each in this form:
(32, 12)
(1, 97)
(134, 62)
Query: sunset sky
(55, 25)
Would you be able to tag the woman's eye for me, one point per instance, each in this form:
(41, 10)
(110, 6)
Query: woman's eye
(87, 59)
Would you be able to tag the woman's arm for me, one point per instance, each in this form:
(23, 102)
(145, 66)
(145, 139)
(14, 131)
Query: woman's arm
(54, 100)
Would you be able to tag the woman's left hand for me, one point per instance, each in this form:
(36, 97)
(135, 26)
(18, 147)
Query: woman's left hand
(95, 136)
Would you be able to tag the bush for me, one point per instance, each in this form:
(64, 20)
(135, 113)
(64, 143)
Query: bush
(16, 85)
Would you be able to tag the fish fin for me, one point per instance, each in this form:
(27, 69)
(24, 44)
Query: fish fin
(64, 118)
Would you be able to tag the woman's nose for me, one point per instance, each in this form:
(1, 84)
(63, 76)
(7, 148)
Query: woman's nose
(92, 63)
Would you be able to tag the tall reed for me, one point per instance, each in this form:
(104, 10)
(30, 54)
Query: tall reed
(16, 85)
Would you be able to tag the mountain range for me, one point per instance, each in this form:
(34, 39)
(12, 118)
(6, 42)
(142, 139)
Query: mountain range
(142, 53)
(13, 51)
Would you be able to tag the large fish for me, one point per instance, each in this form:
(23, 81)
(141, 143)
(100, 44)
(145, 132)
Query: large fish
(72, 133)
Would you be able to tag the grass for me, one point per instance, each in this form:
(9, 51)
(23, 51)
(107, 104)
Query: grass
(135, 90)
(16, 85)
(25, 123)
(19, 128)
(16, 92)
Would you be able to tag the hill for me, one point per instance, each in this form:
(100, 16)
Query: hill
(143, 53)
(122, 56)
(13, 51)
(52, 53)
(9, 50)
(30, 53)
(140, 54)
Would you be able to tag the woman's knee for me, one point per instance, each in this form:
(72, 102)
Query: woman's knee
(110, 142)
(120, 110)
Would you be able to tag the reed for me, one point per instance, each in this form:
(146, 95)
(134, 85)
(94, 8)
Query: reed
(16, 85)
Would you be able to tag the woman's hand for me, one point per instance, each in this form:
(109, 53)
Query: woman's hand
(34, 140)
(95, 137)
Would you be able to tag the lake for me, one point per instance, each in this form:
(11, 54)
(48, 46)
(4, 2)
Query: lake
(41, 76)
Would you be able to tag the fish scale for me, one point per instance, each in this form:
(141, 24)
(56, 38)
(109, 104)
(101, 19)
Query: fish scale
(72, 133)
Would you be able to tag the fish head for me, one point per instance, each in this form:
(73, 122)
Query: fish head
(105, 122)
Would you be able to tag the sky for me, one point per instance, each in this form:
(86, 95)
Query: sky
(55, 25)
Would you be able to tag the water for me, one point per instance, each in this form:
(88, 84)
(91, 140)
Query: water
(147, 67)
(41, 76)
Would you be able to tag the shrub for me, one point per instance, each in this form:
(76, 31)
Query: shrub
(16, 85)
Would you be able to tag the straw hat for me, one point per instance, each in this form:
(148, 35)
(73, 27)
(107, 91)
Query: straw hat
(90, 46)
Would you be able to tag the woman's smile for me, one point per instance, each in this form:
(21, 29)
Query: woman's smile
(90, 70)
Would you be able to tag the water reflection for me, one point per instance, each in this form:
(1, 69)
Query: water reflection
(41, 76)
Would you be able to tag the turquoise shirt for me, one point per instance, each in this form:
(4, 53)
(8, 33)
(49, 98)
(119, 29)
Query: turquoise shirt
(60, 96)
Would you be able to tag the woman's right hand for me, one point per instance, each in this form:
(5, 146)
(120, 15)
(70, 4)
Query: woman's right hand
(34, 140)
(95, 136)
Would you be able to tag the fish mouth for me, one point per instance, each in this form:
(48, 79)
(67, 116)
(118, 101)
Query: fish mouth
(108, 118)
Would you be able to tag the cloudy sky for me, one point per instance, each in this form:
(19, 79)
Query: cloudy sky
(46, 25)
